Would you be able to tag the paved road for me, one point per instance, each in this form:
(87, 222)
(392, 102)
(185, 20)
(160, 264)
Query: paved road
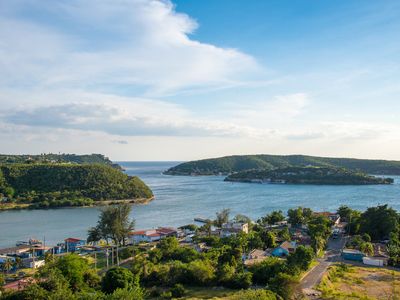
(314, 277)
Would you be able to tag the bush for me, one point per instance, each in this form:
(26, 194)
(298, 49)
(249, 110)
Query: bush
(117, 278)
(178, 291)
(254, 295)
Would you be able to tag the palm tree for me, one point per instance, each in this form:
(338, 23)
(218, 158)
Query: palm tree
(7, 265)
(18, 263)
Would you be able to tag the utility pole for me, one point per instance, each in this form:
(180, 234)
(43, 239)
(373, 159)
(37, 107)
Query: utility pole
(107, 257)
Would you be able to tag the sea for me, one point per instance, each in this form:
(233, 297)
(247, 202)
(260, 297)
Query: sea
(180, 199)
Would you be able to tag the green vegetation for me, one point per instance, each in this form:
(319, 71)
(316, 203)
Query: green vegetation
(307, 175)
(51, 185)
(70, 277)
(113, 224)
(57, 158)
(231, 164)
(345, 282)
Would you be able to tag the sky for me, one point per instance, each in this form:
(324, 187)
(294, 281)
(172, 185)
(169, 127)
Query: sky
(187, 79)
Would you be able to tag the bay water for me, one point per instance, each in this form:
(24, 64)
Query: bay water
(179, 199)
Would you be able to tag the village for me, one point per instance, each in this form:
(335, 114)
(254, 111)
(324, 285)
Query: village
(20, 262)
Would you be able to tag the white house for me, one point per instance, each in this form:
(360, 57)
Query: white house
(232, 228)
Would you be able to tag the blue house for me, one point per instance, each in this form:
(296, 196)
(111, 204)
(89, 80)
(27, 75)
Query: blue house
(72, 244)
(284, 249)
(352, 254)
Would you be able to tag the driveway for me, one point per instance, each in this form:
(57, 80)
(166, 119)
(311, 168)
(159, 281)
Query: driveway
(313, 278)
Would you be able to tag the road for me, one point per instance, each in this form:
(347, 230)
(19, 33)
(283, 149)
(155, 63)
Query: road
(314, 277)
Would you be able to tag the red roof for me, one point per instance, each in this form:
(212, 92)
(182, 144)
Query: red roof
(72, 240)
(139, 232)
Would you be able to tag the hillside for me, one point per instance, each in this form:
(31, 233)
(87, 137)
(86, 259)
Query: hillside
(307, 175)
(55, 184)
(231, 164)
(57, 158)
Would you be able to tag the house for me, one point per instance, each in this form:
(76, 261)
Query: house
(152, 235)
(232, 228)
(334, 217)
(256, 256)
(352, 254)
(21, 251)
(32, 262)
(284, 249)
(73, 244)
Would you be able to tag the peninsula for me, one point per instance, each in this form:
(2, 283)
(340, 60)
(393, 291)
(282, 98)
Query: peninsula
(38, 184)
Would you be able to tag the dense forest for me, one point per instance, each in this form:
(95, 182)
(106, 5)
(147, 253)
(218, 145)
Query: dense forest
(231, 164)
(307, 175)
(66, 184)
(58, 158)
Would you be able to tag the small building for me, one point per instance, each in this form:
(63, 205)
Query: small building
(73, 244)
(375, 261)
(233, 228)
(352, 254)
(21, 251)
(334, 217)
(284, 249)
(152, 235)
(256, 256)
(32, 262)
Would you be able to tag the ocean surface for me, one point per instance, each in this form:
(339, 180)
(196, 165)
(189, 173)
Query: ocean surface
(179, 199)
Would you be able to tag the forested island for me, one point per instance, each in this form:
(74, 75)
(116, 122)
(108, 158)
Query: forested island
(307, 175)
(42, 185)
(237, 163)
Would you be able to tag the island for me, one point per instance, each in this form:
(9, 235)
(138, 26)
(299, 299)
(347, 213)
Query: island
(307, 175)
(238, 163)
(48, 185)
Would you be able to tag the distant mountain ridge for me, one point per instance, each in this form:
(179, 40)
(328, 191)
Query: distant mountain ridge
(231, 164)
(93, 158)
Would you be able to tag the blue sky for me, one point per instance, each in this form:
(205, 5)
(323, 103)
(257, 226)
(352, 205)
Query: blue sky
(187, 79)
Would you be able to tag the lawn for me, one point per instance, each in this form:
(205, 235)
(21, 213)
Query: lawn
(348, 282)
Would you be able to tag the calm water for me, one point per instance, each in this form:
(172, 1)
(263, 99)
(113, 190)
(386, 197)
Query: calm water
(179, 199)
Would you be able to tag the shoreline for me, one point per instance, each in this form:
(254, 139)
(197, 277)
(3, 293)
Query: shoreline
(26, 206)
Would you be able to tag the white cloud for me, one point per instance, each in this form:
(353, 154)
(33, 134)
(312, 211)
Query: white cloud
(114, 44)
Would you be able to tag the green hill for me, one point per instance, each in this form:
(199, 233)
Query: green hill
(307, 175)
(65, 184)
(57, 158)
(231, 164)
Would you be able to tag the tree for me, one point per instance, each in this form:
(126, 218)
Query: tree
(114, 223)
(242, 219)
(222, 217)
(269, 238)
(2, 281)
(273, 217)
(345, 213)
(75, 270)
(117, 278)
(379, 222)
(367, 248)
(301, 258)
(134, 293)
(7, 265)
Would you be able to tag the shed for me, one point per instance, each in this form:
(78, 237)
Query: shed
(352, 254)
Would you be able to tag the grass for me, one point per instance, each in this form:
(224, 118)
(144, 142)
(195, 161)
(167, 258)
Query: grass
(349, 282)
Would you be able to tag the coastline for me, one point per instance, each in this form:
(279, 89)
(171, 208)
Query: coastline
(26, 206)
